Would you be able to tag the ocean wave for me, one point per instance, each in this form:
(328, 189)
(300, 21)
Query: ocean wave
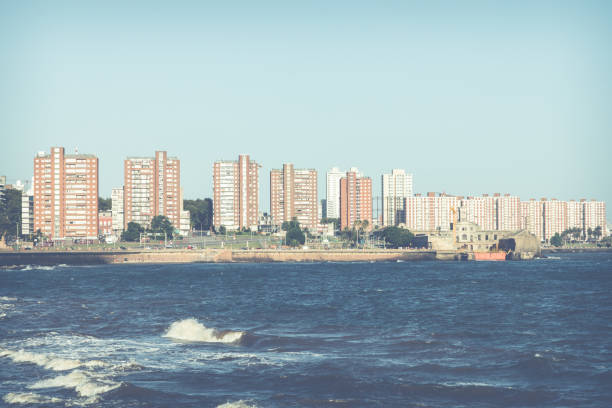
(7, 299)
(29, 398)
(37, 267)
(47, 361)
(194, 331)
(85, 384)
(236, 404)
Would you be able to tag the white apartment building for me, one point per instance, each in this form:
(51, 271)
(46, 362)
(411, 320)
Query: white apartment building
(236, 194)
(430, 212)
(595, 216)
(396, 187)
(333, 192)
(117, 210)
(27, 213)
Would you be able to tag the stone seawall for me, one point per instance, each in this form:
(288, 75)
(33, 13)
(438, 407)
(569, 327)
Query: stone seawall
(10, 258)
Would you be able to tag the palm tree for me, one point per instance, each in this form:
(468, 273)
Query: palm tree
(576, 232)
(597, 232)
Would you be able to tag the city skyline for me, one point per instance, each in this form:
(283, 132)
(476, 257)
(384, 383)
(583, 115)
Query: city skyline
(469, 98)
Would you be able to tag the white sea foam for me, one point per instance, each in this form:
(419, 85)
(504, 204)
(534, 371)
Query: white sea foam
(236, 404)
(83, 383)
(29, 398)
(7, 299)
(38, 267)
(192, 330)
(47, 361)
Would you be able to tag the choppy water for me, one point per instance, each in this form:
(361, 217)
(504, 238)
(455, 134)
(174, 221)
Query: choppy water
(426, 334)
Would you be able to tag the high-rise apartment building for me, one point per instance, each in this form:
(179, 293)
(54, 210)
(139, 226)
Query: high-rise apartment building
(27, 213)
(555, 217)
(236, 193)
(575, 214)
(508, 212)
(494, 212)
(430, 212)
(546, 218)
(479, 210)
(532, 217)
(355, 199)
(151, 188)
(333, 192)
(66, 195)
(595, 216)
(117, 210)
(293, 193)
(396, 187)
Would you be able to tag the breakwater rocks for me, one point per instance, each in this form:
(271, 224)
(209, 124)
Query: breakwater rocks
(10, 258)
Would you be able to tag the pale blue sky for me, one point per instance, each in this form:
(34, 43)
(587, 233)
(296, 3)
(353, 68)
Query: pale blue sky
(471, 97)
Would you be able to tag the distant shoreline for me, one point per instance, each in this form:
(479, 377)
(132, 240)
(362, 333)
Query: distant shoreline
(50, 258)
(574, 250)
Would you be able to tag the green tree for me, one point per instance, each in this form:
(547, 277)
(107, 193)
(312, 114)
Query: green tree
(335, 221)
(161, 223)
(589, 233)
(349, 235)
(295, 236)
(556, 240)
(396, 237)
(10, 214)
(565, 235)
(200, 213)
(105, 204)
(222, 230)
(132, 233)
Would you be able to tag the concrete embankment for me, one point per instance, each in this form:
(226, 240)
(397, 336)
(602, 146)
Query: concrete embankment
(210, 255)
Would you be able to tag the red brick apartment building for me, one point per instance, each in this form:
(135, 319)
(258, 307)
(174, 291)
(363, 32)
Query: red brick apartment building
(66, 195)
(355, 199)
(152, 187)
(293, 193)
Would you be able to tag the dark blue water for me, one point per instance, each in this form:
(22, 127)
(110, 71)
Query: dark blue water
(422, 334)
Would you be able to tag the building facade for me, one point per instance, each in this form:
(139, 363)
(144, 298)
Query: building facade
(545, 218)
(236, 194)
(105, 223)
(396, 187)
(117, 210)
(27, 213)
(293, 193)
(2, 186)
(594, 216)
(430, 212)
(151, 188)
(333, 192)
(355, 200)
(66, 195)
